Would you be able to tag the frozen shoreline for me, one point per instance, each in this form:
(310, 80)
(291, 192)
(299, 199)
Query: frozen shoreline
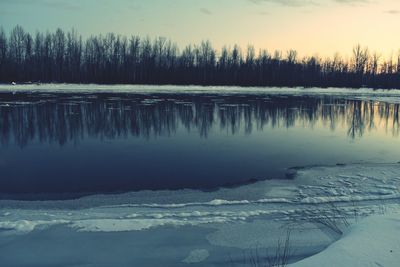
(127, 88)
(235, 219)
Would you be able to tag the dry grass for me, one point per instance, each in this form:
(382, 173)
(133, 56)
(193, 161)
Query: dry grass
(278, 258)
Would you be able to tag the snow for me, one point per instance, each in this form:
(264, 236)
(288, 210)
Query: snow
(375, 241)
(229, 221)
(196, 256)
(362, 93)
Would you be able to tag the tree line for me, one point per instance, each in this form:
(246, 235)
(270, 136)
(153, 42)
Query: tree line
(66, 57)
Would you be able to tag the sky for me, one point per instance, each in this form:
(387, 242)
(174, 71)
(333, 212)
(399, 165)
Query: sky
(312, 27)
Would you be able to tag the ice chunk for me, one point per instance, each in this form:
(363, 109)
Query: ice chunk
(196, 256)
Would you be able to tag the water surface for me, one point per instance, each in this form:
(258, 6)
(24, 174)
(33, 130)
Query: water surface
(66, 144)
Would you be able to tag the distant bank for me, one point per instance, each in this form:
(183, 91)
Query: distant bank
(65, 57)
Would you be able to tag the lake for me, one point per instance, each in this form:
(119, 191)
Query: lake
(62, 145)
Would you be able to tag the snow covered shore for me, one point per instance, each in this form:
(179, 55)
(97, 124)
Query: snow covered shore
(193, 89)
(374, 241)
(211, 228)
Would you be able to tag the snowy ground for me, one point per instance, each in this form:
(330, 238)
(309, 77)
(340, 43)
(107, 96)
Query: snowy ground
(374, 241)
(227, 227)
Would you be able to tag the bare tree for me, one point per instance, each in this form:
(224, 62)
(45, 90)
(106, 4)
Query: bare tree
(66, 57)
(360, 58)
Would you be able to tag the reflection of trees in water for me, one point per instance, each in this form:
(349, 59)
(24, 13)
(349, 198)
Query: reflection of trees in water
(367, 115)
(356, 116)
(389, 115)
(67, 118)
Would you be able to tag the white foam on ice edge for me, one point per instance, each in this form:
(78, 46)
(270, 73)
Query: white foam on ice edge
(215, 202)
(25, 226)
(135, 221)
(123, 225)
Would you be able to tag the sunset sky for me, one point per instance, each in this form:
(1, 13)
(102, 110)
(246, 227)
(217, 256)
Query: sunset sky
(310, 26)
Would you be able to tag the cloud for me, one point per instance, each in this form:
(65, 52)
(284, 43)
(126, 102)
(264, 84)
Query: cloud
(352, 1)
(291, 3)
(134, 6)
(58, 4)
(304, 3)
(61, 4)
(393, 12)
(263, 13)
(205, 11)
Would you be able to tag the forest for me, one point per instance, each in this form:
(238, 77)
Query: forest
(67, 57)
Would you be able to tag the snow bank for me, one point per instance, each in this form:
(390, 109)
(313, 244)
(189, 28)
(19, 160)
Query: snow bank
(375, 241)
